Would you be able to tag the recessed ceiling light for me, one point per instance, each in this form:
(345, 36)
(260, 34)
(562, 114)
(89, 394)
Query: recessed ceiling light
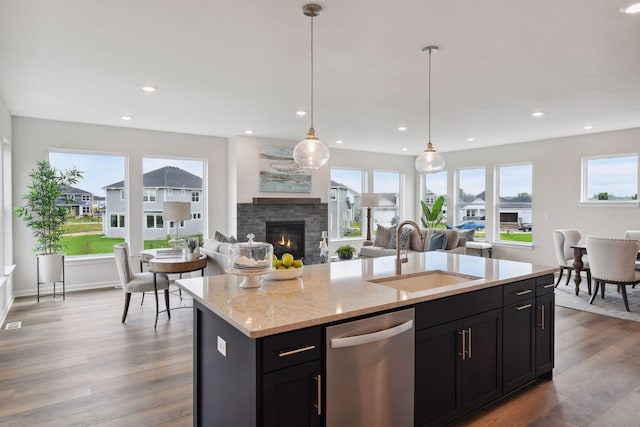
(301, 113)
(248, 132)
(339, 141)
(405, 149)
(471, 139)
(149, 88)
(588, 127)
(402, 128)
(538, 114)
(127, 118)
(631, 9)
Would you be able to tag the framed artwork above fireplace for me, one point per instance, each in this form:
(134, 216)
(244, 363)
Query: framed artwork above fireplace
(279, 173)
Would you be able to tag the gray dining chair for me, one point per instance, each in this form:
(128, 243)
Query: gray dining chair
(137, 282)
(613, 261)
(563, 239)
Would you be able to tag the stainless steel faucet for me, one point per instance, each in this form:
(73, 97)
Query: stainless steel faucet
(400, 261)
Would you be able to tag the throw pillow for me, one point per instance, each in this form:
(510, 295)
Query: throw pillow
(438, 241)
(405, 238)
(383, 234)
(224, 239)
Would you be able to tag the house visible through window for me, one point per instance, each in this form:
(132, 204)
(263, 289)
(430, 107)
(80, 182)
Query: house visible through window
(610, 178)
(345, 219)
(155, 220)
(514, 205)
(196, 215)
(470, 200)
(195, 196)
(435, 185)
(100, 195)
(388, 186)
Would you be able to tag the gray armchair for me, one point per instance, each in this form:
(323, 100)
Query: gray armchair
(137, 282)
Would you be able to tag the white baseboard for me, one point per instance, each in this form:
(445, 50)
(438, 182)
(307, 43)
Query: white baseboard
(70, 288)
(5, 311)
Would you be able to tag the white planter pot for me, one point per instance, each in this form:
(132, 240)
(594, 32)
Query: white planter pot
(50, 268)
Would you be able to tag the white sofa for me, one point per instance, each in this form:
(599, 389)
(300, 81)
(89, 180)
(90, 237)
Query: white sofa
(217, 256)
(381, 247)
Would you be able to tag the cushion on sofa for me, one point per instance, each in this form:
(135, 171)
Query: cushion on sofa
(224, 239)
(383, 235)
(405, 236)
(452, 239)
(437, 241)
(415, 244)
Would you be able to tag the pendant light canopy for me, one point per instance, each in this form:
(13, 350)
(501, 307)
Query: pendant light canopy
(311, 153)
(429, 161)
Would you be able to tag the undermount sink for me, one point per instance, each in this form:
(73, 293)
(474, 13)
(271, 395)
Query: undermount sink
(423, 281)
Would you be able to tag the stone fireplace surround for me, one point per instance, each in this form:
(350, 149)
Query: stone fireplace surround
(252, 218)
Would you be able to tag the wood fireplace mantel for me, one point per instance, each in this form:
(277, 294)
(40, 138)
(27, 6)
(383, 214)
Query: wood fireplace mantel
(286, 201)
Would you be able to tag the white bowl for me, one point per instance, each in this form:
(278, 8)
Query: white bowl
(288, 274)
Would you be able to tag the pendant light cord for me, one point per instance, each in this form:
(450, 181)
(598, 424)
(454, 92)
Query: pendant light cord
(429, 95)
(312, 69)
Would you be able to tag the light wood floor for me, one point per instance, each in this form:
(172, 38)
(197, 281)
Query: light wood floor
(74, 363)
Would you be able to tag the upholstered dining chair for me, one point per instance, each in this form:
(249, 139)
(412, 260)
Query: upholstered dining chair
(633, 234)
(137, 282)
(613, 261)
(563, 239)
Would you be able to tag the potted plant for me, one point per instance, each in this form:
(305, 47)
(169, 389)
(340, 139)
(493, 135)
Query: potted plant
(432, 217)
(346, 252)
(45, 213)
(192, 248)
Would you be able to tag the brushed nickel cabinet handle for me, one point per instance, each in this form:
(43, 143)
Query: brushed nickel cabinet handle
(318, 405)
(523, 292)
(469, 352)
(296, 351)
(523, 307)
(550, 285)
(463, 333)
(542, 317)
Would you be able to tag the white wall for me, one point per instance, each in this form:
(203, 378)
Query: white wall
(556, 188)
(6, 258)
(32, 138)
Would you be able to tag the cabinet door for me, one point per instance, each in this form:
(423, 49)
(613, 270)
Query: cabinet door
(437, 375)
(292, 396)
(545, 306)
(482, 364)
(518, 344)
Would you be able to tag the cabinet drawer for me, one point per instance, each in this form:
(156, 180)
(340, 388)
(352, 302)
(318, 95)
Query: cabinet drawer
(444, 310)
(291, 348)
(519, 291)
(544, 285)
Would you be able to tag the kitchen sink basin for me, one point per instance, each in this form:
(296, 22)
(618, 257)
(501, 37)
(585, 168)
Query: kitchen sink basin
(423, 281)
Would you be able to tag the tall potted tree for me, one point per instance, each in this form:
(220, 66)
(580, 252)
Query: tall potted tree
(43, 212)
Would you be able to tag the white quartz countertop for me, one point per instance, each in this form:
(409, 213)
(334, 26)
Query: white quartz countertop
(341, 290)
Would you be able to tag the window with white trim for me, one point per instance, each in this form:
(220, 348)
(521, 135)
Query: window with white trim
(196, 215)
(149, 195)
(388, 186)
(345, 220)
(470, 200)
(435, 185)
(514, 203)
(155, 220)
(612, 178)
(117, 221)
(195, 196)
(86, 197)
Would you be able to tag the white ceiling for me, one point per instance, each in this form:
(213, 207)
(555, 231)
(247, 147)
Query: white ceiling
(224, 66)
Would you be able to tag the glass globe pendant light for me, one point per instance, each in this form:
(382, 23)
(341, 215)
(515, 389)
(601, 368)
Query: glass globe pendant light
(311, 153)
(429, 161)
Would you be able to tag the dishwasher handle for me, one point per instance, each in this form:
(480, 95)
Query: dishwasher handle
(372, 337)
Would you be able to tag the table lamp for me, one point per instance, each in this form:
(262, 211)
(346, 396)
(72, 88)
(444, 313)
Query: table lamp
(176, 212)
(369, 200)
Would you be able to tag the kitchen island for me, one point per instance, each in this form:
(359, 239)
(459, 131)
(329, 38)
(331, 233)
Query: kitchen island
(259, 355)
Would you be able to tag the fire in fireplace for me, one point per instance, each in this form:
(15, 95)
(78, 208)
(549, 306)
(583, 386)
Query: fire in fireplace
(286, 236)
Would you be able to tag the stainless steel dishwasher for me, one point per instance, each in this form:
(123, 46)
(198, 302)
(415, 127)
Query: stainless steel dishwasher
(370, 371)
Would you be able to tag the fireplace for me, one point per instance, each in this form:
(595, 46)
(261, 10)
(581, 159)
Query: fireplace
(286, 236)
(253, 217)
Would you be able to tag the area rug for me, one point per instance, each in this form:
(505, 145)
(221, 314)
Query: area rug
(612, 304)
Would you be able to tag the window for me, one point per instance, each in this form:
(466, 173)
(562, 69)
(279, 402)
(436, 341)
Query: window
(387, 185)
(435, 185)
(514, 202)
(345, 219)
(610, 178)
(154, 220)
(149, 195)
(183, 174)
(101, 193)
(470, 201)
(117, 221)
